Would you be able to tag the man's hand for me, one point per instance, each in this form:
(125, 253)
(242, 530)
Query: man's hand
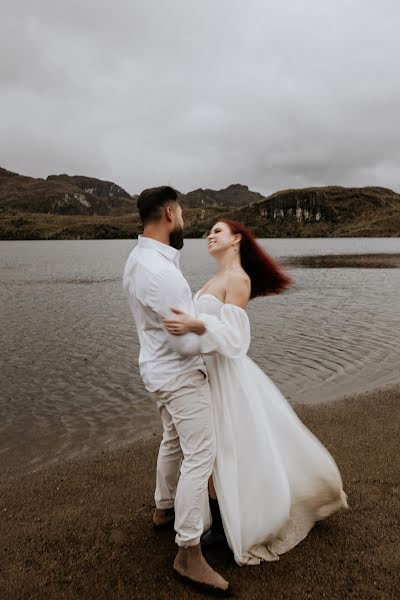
(183, 323)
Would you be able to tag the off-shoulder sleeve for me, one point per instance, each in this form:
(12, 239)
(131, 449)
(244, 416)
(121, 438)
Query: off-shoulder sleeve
(228, 334)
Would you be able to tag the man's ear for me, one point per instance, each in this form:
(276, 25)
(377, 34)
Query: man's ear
(169, 213)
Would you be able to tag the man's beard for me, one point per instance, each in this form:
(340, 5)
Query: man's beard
(176, 238)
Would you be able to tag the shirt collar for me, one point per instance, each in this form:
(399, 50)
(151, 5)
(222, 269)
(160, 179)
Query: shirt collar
(168, 251)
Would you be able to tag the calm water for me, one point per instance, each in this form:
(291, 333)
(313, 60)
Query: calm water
(68, 358)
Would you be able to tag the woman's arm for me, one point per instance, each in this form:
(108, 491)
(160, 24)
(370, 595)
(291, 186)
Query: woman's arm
(237, 293)
(184, 323)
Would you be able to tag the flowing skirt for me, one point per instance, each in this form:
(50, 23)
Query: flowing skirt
(273, 477)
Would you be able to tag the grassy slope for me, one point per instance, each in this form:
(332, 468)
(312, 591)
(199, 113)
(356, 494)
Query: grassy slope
(34, 226)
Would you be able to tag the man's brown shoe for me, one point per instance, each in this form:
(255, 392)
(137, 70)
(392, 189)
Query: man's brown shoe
(191, 568)
(213, 538)
(163, 517)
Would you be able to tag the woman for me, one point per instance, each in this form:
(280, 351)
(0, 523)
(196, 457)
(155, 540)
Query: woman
(272, 477)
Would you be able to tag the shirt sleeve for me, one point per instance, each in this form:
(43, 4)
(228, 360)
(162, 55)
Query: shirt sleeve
(228, 334)
(169, 290)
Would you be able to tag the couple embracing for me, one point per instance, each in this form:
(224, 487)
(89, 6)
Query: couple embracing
(235, 462)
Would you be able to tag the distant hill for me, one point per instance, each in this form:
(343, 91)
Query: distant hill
(63, 195)
(80, 195)
(234, 196)
(318, 211)
(97, 208)
(91, 185)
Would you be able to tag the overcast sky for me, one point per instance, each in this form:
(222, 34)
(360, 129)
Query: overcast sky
(202, 93)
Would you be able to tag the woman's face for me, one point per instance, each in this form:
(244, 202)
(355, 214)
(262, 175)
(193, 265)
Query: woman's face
(220, 238)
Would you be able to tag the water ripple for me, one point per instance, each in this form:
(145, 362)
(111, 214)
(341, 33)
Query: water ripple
(70, 381)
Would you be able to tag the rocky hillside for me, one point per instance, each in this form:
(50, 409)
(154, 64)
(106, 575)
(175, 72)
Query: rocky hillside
(91, 185)
(62, 195)
(79, 195)
(309, 212)
(323, 211)
(234, 196)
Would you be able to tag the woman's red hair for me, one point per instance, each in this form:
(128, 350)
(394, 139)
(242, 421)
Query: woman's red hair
(266, 275)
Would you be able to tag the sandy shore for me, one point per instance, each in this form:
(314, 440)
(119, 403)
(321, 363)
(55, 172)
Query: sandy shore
(82, 529)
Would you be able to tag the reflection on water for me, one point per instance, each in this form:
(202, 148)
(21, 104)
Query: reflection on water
(69, 377)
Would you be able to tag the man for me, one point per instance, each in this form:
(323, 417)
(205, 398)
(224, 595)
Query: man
(173, 371)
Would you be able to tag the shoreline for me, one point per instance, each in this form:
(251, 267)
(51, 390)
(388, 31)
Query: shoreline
(17, 225)
(82, 528)
(19, 471)
(341, 261)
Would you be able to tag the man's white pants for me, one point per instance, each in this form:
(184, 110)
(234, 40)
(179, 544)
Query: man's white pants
(187, 452)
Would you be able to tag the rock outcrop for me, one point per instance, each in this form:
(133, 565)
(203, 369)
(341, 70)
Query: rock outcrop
(63, 195)
(234, 196)
(323, 211)
(91, 185)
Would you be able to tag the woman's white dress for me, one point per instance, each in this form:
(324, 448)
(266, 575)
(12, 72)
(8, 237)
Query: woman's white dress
(272, 476)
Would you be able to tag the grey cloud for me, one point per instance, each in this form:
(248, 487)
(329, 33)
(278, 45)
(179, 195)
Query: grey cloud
(271, 93)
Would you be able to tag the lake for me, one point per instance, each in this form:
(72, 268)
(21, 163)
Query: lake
(68, 358)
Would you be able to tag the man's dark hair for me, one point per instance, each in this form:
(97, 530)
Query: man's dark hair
(151, 201)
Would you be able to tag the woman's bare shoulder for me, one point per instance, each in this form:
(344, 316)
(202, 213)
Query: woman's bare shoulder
(238, 289)
(237, 278)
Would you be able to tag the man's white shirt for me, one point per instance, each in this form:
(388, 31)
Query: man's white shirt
(155, 284)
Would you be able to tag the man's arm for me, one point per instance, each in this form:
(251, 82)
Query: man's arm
(166, 293)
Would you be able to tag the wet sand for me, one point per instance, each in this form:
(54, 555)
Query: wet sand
(340, 261)
(82, 529)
